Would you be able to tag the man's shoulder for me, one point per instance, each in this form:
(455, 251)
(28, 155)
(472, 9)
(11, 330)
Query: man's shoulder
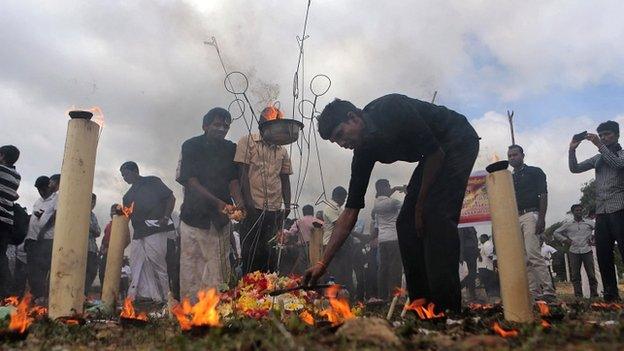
(533, 169)
(383, 101)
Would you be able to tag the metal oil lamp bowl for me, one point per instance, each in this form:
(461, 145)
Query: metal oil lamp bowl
(280, 131)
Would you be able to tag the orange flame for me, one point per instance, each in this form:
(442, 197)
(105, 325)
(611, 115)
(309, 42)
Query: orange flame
(203, 313)
(306, 317)
(129, 313)
(20, 321)
(543, 308)
(11, 301)
(398, 291)
(545, 324)
(271, 113)
(126, 211)
(339, 310)
(38, 311)
(607, 306)
(424, 313)
(495, 157)
(480, 307)
(504, 333)
(98, 116)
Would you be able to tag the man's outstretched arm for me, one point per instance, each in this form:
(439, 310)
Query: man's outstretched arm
(344, 226)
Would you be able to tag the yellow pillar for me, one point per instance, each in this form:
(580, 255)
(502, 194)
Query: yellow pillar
(119, 239)
(509, 244)
(316, 245)
(71, 230)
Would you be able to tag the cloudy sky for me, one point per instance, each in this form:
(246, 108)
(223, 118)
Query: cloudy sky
(557, 64)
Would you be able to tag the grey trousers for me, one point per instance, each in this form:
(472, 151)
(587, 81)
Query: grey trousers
(540, 283)
(587, 260)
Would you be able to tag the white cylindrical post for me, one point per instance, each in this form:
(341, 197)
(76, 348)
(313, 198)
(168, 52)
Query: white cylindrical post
(509, 244)
(71, 230)
(119, 239)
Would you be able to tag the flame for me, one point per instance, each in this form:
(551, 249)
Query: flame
(306, 317)
(11, 301)
(234, 213)
(38, 311)
(339, 310)
(424, 313)
(20, 321)
(545, 324)
(129, 313)
(504, 333)
(480, 307)
(71, 321)
(398, 291)
(607, 306)
(98, 116)
(203, 313)
(126, 211)
(543, 308)
(272, 113)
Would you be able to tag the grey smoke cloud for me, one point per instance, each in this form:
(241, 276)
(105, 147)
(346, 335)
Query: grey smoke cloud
(145, 64)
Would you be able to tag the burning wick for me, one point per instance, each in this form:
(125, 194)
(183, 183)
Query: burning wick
(125, 211)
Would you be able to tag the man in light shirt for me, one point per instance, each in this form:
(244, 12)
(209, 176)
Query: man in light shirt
(341, 267)
(578, 234)
(386, 210)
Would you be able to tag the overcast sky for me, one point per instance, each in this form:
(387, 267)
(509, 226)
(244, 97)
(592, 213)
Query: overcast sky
(557, 64)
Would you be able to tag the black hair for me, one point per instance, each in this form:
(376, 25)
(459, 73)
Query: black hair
(56, 178)
(333, 114)
(114, 206)
(575, 206)
(609, 125)
(93, 197)
(339, 192)
(214, 113)
(11, 154)
(130, 165)
(308, 210)
(42, 182)
(516, 146)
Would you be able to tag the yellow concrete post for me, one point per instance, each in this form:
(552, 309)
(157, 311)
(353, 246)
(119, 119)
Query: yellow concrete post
(509, 244)
(119, 239)
(71, 230)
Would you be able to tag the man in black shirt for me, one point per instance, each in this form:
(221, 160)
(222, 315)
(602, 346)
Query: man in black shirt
(210, 179)
(152, 203)
(532, 200)
(398, 128)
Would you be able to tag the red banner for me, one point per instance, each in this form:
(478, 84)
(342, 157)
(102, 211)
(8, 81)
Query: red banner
(476, 208)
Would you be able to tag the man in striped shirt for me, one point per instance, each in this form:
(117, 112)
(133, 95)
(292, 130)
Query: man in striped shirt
(9, 182)
(609, 166)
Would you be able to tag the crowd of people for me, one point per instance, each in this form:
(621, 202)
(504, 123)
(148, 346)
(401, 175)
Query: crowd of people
(413, 242)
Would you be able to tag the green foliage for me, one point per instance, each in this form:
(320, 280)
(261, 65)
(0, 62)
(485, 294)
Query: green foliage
(588, 196)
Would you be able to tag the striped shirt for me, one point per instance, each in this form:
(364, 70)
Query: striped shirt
(609, 166)
(9, 182)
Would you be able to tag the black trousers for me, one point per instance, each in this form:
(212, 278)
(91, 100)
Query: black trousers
(39, 256)
(609, 229)
(5, 273)
(92, 270)
(173, 266)
(390, 268)
(20, 274)
(259, 227)
(431, 259)
(341, 266)
(470, 281)
(102, 269)
(587, 260)
(489, 279)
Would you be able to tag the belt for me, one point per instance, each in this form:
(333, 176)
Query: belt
(527, 210)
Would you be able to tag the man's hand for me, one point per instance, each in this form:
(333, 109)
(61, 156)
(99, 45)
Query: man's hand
(574, 144)
(595, 139)
(313, 274)
(540, 226)
(419, 220)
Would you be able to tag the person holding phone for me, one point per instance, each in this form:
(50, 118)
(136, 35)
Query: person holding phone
(609, 167)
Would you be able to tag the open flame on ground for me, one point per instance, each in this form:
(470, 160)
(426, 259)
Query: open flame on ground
(424, 313)
(20, 318)
(203, 314)
(544, 311)
(306, 317)
(607, 306)
(504, 333)
(339, 310)
(128, 311)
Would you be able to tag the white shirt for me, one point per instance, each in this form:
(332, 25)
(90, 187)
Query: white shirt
(486, 250)
(547, 252)
(331, 212)
(48, 207)
(386, 210)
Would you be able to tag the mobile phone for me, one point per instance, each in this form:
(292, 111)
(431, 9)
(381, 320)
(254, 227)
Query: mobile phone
(580, 136)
